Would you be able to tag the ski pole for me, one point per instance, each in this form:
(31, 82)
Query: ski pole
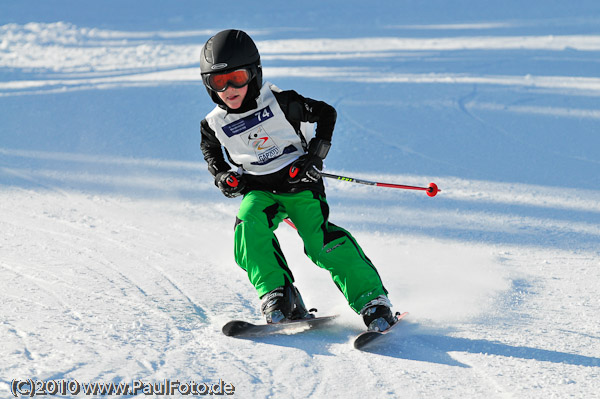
(431, 190)
(289, 222)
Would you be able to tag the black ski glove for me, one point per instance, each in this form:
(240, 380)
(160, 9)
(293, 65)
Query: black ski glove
(230, 183)
(308, 168)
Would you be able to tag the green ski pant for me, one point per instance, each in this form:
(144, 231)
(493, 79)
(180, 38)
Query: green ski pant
(332, 248)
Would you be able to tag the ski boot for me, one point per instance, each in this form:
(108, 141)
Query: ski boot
(377, 314)
(284, 303)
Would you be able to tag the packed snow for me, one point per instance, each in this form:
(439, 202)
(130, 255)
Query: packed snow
(116, 248)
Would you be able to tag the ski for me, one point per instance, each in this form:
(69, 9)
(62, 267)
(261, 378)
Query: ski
(367, 337)
(240, 328)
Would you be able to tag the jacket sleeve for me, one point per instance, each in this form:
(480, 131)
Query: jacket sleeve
(303, 109)
(212, 150)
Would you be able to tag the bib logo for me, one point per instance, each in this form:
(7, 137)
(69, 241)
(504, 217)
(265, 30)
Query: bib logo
(264, 146)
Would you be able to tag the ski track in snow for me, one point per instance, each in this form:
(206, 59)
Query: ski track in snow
(116, 248)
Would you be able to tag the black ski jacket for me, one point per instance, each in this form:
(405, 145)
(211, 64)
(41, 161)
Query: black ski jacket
(297, 109)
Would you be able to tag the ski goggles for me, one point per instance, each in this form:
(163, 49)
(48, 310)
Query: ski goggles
(221, 81)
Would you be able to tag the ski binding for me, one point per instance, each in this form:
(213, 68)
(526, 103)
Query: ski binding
(368, 337)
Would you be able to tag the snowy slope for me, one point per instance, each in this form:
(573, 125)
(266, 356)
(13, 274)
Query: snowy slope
(116, 248)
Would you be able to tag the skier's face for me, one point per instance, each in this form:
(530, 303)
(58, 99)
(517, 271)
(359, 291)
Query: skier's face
(233, 97)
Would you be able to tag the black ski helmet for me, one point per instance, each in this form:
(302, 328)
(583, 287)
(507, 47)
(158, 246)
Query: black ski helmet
(229, 50)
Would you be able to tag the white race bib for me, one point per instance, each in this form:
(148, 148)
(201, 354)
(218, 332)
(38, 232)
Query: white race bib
(262, 141)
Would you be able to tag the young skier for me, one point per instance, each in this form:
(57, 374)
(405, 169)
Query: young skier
(278, 174)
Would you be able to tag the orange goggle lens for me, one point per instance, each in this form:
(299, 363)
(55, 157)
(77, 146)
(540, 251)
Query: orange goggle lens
(237, 79)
